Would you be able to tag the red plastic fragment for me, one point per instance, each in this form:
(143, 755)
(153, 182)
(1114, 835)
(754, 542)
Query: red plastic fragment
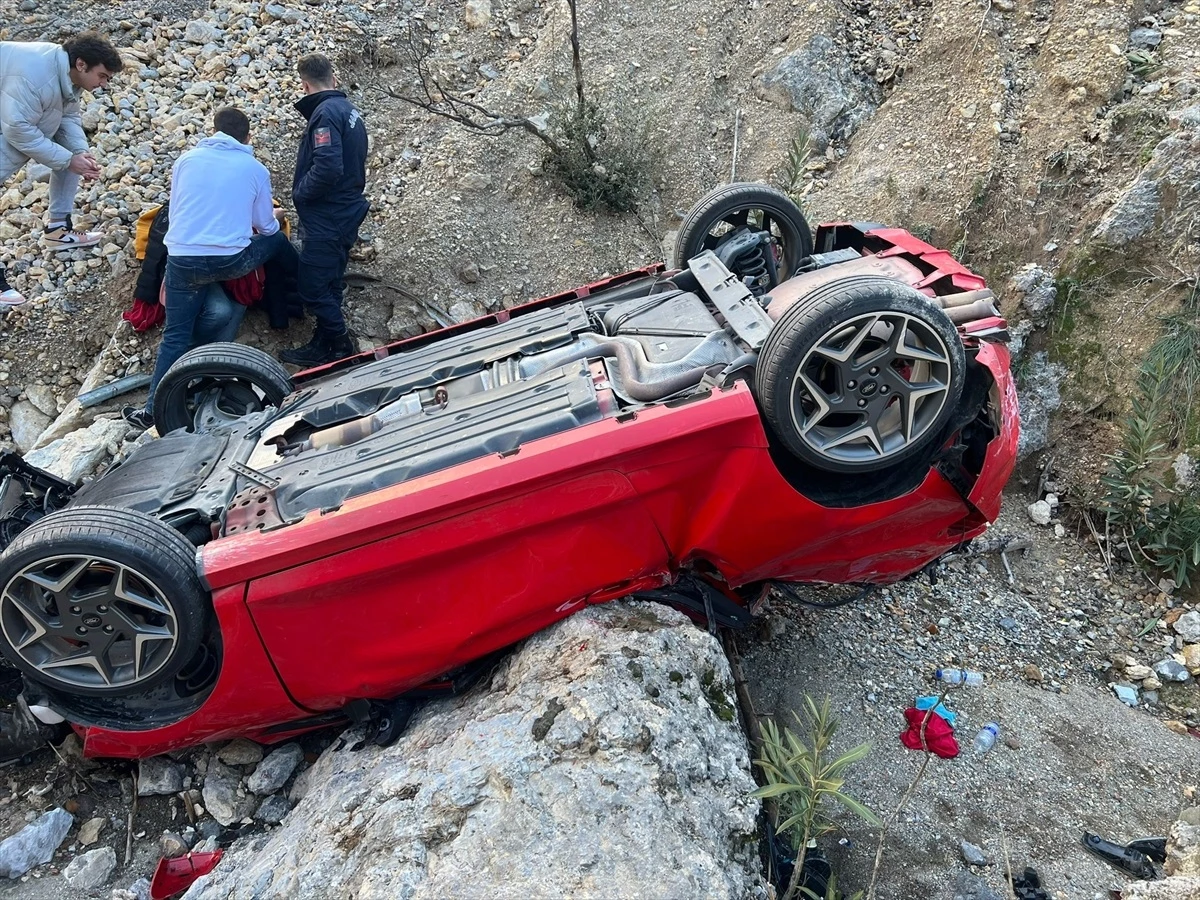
(174, 876)
(939, 735)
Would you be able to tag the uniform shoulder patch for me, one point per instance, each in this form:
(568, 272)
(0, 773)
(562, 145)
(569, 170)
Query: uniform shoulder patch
(322, 137)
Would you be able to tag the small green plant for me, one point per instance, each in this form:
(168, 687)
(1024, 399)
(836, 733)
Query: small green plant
(1177, 353)
(799, 151)
(1159, 523)
(1142, 63)
(598, 172)
(805, 779)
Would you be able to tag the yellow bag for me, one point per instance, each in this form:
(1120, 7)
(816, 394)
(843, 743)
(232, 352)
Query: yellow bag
(141, 235)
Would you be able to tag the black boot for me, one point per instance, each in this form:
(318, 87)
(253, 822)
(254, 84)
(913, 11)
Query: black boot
(314, 353)
(341, 346)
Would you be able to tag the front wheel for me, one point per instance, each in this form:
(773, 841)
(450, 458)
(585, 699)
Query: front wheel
(217, 384)
(101, 602)
(860, 375)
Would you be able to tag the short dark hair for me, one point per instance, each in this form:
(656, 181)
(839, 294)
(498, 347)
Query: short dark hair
(94, 49)
(315, 68)
(233, 122)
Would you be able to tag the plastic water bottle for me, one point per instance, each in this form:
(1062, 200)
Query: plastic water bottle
(958, 676)
(986, 739)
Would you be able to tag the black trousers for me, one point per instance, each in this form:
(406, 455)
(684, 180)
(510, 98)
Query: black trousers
(320, 280)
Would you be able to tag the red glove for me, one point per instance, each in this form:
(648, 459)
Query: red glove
(143, 315)
(939, 734)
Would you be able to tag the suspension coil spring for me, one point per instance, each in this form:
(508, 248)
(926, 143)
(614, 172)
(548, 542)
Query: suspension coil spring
(752, 263)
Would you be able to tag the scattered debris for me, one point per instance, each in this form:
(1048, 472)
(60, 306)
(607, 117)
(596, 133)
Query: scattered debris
(930, 733)
(1028, 886)
(1136, 858)
(174, 876)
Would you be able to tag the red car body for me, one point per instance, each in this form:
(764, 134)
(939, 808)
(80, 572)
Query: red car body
(452, 565)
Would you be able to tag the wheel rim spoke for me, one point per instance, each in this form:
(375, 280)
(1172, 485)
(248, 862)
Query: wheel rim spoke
(871, 386)
(61, 583)
(39, 628)
(139, 642)
(847, 353)
(124, 590)
(806, 423)
(85, 621)
(84, 658)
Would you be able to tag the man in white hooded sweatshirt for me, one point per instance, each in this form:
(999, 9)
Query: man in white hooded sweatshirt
(223, 226)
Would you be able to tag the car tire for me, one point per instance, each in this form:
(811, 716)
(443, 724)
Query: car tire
(838, 392)
(217, 384)
(718, 214)
(119, 575)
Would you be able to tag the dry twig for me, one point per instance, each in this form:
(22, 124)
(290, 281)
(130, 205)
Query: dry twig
(132, 812)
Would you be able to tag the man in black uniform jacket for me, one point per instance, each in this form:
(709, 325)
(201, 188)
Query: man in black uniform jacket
(328, 195)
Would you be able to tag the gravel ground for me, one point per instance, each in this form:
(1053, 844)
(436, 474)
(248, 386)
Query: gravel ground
(1071, 756)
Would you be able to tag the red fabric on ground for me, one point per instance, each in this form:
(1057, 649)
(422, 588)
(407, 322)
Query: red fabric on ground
(939, 735)
(143, 315)
(248, 289)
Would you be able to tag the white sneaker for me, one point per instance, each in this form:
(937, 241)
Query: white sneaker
(11, 297)
(64, 237)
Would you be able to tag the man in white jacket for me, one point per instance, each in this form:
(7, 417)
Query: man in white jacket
(223, 226)
(40, 86)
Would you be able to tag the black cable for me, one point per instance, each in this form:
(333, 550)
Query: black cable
(789, 590)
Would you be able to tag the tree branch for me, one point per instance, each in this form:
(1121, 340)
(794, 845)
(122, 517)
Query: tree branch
(436, 98)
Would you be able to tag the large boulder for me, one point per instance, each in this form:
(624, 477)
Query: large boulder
(604, 758)
(26, 422)
(81, 452)
(1165, 193)
(820, 82)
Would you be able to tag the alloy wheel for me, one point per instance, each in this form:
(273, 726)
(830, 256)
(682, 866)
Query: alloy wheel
(87, 621)
(870, 387)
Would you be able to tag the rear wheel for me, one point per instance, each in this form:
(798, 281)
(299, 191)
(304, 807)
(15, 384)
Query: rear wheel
(860, 375)
(101, 602)
(216, 384)
(735, 212)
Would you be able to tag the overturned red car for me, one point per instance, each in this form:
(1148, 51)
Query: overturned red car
(295, 551)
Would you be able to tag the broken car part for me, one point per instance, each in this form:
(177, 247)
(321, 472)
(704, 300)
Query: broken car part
(1129, 859)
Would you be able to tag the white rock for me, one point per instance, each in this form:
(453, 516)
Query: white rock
(619, 722)
(27, 423)
(200, 32)
(80, 452)
(1039, 512)
(1187, 627)
(90, 870)
(477, 13)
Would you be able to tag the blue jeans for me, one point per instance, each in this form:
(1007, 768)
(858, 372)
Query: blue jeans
(219, 318)
(192, 317)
